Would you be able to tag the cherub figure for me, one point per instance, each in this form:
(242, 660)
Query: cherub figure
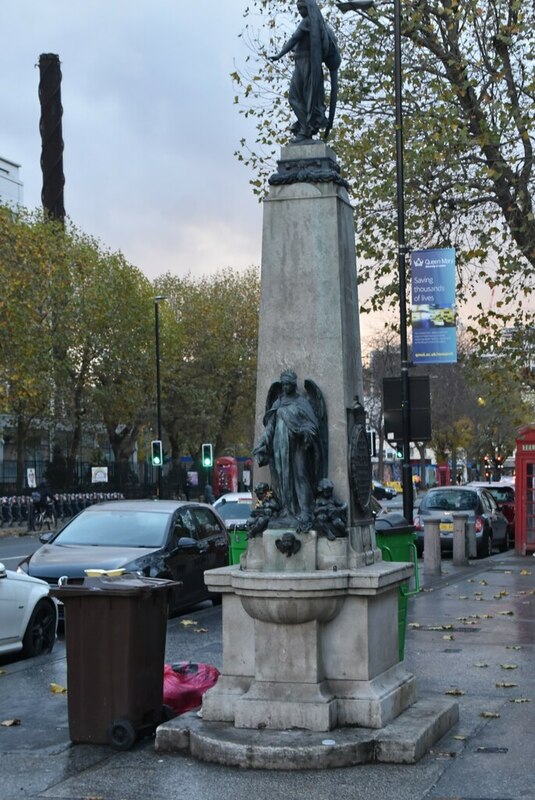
(267, 508)
(330, 515)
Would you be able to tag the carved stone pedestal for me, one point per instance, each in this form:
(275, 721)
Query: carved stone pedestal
(316, 649)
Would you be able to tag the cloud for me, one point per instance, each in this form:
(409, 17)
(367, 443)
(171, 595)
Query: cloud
(149, 125)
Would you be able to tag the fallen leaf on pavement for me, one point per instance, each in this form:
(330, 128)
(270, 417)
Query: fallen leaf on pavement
(489, 715)
(3, 672)
(455, 692)
(504, 685)
(10, 723)
(509, 666)
(513, 647)
(444, 754)
(460, 738)
(463, 597)
(484, 582)
(506, 613)
(200, 630)
(525, 572)
(487, 616)
(55, 688)
(449, 637)
(187, 622)
(414, 625)
(481, 665)
(520, 700)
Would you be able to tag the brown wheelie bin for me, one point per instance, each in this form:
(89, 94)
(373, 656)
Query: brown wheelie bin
(115, 631)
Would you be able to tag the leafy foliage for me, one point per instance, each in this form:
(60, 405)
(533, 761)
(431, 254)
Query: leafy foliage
(469, 108)
(209, 342)
(77, 345)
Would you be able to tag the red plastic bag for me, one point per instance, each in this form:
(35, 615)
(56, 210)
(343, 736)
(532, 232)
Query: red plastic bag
(185, 683)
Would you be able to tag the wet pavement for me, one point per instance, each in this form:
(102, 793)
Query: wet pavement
(471, 632)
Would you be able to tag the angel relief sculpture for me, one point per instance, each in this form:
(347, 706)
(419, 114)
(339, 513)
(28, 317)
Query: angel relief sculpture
(295, 446)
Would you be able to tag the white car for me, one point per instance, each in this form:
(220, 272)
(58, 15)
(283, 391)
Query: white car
(234, 508)
(28, 616)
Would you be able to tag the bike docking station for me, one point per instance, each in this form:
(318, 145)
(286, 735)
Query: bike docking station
(311, 675)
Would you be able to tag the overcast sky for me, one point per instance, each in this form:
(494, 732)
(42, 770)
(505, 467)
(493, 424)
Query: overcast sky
(149, 125)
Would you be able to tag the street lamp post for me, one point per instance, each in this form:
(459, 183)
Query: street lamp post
(157, 301)
(357, 5)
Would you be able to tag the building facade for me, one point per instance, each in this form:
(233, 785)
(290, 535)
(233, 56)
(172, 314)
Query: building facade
(11, 187)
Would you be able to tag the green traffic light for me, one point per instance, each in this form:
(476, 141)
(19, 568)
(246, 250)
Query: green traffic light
(206, 462)
(156, 461)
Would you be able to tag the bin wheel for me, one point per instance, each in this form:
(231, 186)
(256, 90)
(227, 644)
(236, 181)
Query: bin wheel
(121, 734)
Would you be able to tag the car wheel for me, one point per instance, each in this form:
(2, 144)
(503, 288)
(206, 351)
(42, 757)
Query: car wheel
(40, 634)
(484, 546)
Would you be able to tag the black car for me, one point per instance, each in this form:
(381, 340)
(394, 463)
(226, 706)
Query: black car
(484, 517)
(382, 492)
(156, 538)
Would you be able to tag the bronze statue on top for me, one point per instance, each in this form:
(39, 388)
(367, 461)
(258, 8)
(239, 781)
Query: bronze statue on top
(313, 45)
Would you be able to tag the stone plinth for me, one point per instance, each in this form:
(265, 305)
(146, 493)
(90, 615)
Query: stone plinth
(309, 306)
(317, 649)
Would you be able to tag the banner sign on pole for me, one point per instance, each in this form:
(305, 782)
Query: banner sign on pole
(434, 332)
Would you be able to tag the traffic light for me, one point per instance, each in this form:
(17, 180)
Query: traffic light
(399, 451)
(156, 453)
(207, 455)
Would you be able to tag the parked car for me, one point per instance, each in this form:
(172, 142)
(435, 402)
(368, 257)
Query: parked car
(504, 494)
(28, 616)
(486, 519)
(234, 508)
(382, 492)
(156, 538)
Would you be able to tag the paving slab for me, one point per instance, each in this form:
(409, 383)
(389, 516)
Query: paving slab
(37, 760)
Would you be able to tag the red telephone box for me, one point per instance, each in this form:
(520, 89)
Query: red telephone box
(225, 475)
(443, 475)
(525, 491)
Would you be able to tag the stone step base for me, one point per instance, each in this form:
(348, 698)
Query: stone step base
(403, 741)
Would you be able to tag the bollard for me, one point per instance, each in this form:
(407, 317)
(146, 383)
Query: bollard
(432, 554)
(460, 540)
(471, 541)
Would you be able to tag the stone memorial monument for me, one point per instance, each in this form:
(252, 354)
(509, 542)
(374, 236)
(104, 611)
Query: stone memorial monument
(310, 616)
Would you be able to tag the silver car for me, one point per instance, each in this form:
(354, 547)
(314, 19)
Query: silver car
(484, 517)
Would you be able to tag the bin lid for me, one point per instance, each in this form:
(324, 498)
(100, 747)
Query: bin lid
(393, 522)
(127, 585)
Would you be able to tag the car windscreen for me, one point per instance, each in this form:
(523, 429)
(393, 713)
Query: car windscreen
(449, 501)
(116, 529)
(234, 510)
